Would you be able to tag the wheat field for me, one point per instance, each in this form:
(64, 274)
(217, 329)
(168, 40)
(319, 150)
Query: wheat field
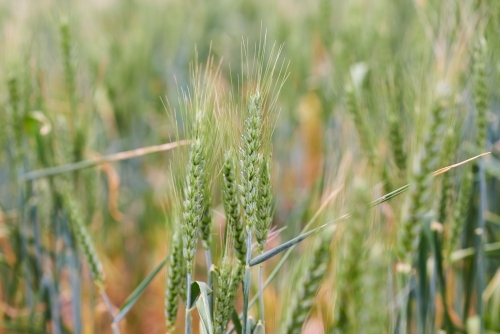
(250, 167)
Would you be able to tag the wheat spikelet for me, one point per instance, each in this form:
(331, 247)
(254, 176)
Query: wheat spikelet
(481, 93)
(249, 161)
(396, 140)
(206, 217)
(264, 206)
(193, 202)
(232, 207)
(227, 281)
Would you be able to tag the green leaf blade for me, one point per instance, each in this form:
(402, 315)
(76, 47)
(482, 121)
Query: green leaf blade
(136, 294)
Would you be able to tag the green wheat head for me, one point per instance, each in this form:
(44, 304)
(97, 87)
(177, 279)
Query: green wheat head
(427, 160)
(351, 263)
(265, 204)
(396, 140)
(69, 71)
(79, 136)
(228, 279)
(250, 160)
(446, 181)
(480, 88)
(83, 238)
(308, 285)
(232, 207)
(193, 202)
(15, 115)
(175, 283)
(460, 211)
(374, 314)
(206, 215)
(353, 107)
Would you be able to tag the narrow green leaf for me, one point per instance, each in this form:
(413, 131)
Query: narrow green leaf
(195, 294)
(435, 241)
(134, 296)
(390, 195)
(251, 324)
(461, 254)
(199, 297)
(423, 288)
(269, 254)
(479, 241)
(203, 328)
(259, 328)
(236, 321)
(489, 249)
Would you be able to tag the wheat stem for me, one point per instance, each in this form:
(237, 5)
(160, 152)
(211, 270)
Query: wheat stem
(208, 258)
(261, 294)
(246, 283)
(187, 324)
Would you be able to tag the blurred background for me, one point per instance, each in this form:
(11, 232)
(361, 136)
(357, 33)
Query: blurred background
(129, 58)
